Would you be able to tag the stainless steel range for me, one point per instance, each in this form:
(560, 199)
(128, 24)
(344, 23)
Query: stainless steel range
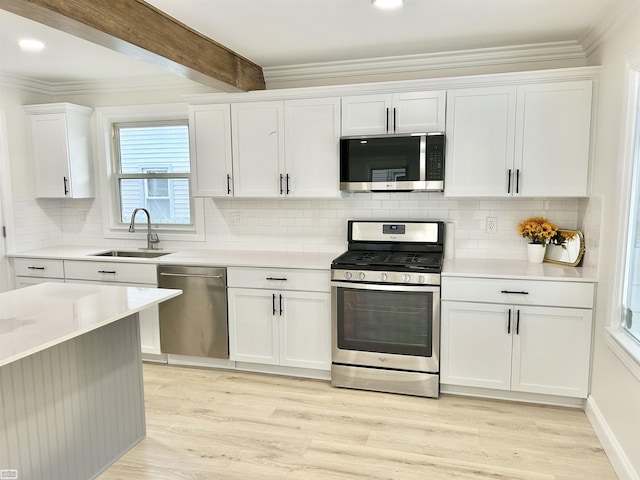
(386, 308)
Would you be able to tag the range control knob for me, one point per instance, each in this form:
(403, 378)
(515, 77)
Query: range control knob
(361, 276)
(348, 275)
(383, 277)
(420, 278)
(406, 278)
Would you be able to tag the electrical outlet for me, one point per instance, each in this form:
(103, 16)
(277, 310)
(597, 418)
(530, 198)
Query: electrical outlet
(492, 225)
(235, 218)
(82, 216)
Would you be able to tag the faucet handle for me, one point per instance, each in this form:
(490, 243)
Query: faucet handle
(153, 237)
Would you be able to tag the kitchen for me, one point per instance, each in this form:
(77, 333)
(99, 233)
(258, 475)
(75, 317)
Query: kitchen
(319, 226)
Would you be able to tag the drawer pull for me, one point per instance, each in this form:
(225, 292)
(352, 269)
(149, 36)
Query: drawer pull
(36, 268)
(279, 279)
(113, 272)
(517, 293)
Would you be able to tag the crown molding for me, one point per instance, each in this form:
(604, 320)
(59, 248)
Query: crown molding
(120, 85)
(540, 52)
(597, 32)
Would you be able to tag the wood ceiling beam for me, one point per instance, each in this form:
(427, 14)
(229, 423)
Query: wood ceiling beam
(139, 30)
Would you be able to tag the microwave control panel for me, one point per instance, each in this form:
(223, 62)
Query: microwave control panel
(435, 157)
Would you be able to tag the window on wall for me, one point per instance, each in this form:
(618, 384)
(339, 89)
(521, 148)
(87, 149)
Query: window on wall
(631, 301)
(152, 170)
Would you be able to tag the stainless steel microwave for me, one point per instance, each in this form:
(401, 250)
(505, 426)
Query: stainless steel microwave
(412, 162)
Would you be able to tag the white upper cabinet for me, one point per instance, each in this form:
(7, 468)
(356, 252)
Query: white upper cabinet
(410, 112)
(62, 151)
(531, 140)
(552, 142)
(480, 141)
(210, 147)
(312, 142)
(258, 149)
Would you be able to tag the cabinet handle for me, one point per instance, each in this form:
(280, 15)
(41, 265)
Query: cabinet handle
(509, 181)
(273, 302)
(281, 279)
(395, 126)
(113, 272)
(517, 293)
(228, 184)
(518, 180)
(281, 189)
(66, 183)
(387, 126)
(288, 184)
(280, 305)
(509, 324)
(518, 323)
(36, 268)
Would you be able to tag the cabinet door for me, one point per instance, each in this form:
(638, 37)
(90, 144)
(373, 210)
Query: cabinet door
(305, 330)
(366, 115)
(480, 142)
(551, 351)
(210, 146)
(258, 149)
(415, 112)
(553, 138)
(253, 326)
(312, 140)
(475, 345)
(51, 154)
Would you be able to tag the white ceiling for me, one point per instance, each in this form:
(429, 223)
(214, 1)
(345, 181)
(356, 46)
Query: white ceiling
(275, 33)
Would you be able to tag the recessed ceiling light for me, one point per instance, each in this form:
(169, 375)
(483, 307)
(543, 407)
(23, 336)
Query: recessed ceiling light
(387, 4)
(31, 45)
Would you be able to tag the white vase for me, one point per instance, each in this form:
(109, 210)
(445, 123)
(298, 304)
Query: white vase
(535, 252)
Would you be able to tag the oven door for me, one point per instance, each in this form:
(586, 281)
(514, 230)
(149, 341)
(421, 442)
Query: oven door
(386, 326)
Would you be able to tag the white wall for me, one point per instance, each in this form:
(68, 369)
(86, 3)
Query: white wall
(615, 391)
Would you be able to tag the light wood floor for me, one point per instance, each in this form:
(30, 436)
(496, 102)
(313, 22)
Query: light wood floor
(213, 424)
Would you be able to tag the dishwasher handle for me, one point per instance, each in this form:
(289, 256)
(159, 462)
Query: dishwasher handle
(190, 275)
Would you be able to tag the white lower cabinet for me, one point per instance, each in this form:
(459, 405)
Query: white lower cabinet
(516, 346)
(276, 318)
(31, 271)
(124, 275)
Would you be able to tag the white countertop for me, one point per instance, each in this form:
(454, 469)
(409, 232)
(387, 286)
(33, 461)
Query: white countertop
(35, 318)
(203, 257)
(516, 269)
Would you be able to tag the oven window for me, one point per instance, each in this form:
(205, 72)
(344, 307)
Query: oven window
(394, 159)
(385, 322)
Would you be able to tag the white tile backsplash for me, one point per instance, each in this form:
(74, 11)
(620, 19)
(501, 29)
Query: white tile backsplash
(319, 225)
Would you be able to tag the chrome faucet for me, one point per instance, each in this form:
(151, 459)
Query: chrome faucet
(152, 237)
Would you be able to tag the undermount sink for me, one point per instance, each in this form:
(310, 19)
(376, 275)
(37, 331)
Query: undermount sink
(130, 253)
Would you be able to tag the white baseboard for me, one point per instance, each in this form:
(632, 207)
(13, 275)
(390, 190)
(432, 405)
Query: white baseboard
(617, 457)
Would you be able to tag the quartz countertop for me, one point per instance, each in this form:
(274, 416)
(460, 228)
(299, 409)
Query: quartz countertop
(516, 269)
(35, 318)
(203, 257)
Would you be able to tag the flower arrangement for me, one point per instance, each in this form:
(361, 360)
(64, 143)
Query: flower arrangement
(538, 230)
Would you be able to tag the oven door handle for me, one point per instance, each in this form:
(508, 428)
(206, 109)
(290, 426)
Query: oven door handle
(388, 287)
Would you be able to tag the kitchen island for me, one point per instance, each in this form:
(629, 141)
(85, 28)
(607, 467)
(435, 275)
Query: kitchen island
(71, 392)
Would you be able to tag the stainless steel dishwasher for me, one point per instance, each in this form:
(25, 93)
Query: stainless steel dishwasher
(194, 323)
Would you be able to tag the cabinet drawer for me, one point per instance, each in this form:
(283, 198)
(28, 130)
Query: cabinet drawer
(279, 279)
(111, 271)
(520, 292)
(38, 267)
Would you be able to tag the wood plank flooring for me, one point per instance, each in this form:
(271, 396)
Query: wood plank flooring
(215, 424)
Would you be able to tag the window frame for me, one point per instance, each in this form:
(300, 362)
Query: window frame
(621, 342)
(106, 119)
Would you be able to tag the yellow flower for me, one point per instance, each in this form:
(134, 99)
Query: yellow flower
(537, 230)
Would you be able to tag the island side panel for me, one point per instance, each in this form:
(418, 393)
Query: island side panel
(73, 409)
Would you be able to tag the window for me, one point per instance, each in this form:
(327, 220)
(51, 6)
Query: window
(631, 298)
(152, 171)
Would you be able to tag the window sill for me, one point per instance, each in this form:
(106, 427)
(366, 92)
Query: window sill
(625, 348)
